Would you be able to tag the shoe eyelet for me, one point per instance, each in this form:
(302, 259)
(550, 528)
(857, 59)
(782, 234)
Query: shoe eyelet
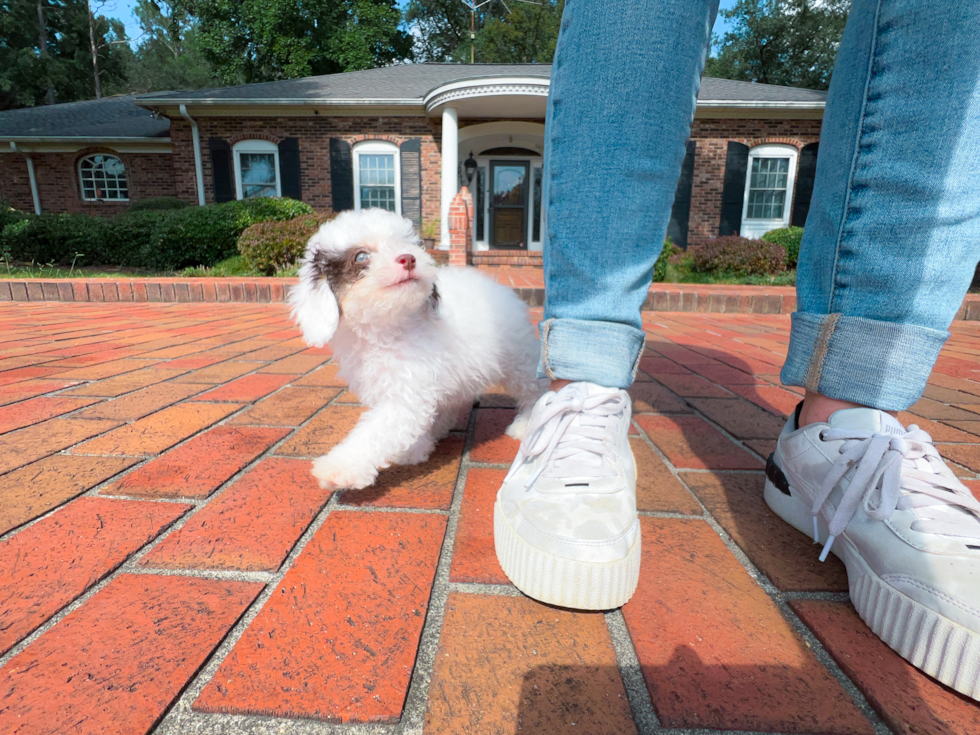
(821, 437)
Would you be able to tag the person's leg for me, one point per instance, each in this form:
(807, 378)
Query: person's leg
(893, 233)
(890, 246)
(623, 90)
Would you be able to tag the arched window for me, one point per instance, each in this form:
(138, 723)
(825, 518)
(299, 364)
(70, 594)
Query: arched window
(768, 189)
(377, 179)
(256, 169)
(103, 178)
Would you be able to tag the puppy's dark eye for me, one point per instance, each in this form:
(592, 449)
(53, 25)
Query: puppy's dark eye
(362, 257)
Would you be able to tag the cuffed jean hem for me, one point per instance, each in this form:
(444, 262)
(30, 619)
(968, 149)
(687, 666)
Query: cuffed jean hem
(605, 353)
(879, 364)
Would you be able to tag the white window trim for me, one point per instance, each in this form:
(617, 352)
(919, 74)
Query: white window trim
(376, 147)
(81, 187)
(254, 146)
(758, 227)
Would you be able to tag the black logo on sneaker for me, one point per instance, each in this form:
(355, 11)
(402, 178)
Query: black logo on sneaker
(776, 476)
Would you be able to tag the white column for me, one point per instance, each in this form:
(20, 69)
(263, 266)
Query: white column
(450, 164)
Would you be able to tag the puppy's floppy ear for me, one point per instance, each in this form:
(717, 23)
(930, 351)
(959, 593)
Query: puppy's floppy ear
(314, 307)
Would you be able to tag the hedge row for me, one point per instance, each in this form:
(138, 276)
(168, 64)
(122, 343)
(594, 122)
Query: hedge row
(155, 239)
(776, 252)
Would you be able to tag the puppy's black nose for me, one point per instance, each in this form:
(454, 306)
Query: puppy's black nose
(406, 261)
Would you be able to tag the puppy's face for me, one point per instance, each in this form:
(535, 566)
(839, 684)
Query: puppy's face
(369, 264)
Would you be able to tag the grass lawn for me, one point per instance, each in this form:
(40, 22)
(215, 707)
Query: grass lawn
(229, 267)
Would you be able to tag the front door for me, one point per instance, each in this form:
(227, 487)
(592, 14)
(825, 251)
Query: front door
(508, 204)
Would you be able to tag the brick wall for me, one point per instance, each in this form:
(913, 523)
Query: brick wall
(148, 175)
(314, 135)
(15, 185)
(712, 138)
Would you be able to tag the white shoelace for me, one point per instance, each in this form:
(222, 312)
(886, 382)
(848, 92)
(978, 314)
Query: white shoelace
(897, 465)
(570, 448)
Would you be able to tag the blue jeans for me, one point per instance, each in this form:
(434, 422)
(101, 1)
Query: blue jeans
(893, 232)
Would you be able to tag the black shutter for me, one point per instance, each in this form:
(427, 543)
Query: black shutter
(680, 213)
(341, 175)
(411, 165)
(221, 170)
(733, 195)
(804, 184)
(289, 176)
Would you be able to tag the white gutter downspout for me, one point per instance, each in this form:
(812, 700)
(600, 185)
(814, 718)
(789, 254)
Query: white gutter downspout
(30, 175)
(198, 166)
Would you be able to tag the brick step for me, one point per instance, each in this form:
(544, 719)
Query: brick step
(669, 297)
(516, 258)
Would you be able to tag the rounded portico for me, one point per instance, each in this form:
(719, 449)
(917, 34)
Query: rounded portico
(493, 142)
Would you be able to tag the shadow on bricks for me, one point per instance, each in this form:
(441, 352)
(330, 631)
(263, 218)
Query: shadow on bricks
(719, 453)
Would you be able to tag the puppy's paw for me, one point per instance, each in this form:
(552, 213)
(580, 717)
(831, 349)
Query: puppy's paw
(518, 427)
(418, 454)
(333, 475)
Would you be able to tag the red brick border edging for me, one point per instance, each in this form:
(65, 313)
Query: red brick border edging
(662, 297)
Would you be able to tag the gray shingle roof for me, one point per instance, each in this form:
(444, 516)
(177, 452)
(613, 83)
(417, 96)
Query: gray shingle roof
(110, 117)
(411, 82)
(408, 83)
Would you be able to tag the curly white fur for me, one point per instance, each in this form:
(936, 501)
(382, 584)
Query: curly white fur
(415, 359)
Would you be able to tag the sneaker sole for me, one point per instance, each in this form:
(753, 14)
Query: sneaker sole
(580, 585)
(946, 651)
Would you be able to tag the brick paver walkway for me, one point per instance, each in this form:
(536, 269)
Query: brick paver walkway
(167, 563)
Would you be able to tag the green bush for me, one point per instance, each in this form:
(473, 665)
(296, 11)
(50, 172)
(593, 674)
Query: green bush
(158, 240)
(57, 238)
(9, 215)
(739, 255)
(269, 247)
(157, 204)
(789, 238)
(660, 267)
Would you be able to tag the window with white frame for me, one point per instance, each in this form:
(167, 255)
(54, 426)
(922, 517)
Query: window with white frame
(377, 181)
(770, 175)
(256, 169)
(103, 178)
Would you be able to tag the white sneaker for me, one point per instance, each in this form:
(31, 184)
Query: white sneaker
(881, 498)
(565, 525)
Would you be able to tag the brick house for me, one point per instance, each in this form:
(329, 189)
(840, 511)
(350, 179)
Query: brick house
(402, 137)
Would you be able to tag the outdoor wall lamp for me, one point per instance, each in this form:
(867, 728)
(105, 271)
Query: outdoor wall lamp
(469, 166)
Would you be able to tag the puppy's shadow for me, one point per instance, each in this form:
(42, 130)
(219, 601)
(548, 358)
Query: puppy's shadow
(434, 471)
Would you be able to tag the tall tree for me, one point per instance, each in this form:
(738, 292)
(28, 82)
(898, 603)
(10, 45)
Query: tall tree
(787, 42)
(264, 40)
(508, 33)
(527, 34)
(45, 52)
(169, 54)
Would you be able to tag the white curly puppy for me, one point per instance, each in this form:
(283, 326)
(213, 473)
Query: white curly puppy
(416, 343)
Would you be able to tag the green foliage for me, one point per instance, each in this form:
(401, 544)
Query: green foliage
(56, 238)
(738, 255)
(787, 42)
(170, 52)
(52, 62)
(789, 238)
(9, 215)
(660, 267)
(270, 247)
(157, 204)
(264, 40)
(234, 266)
(158, 240)
(525, 34)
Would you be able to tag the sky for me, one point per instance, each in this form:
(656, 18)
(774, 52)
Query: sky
(123, 10)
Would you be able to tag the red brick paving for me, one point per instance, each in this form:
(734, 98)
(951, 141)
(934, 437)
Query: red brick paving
(222, 406)
(93, 535)
(115, 664)
(338, 638)
(715, 650)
